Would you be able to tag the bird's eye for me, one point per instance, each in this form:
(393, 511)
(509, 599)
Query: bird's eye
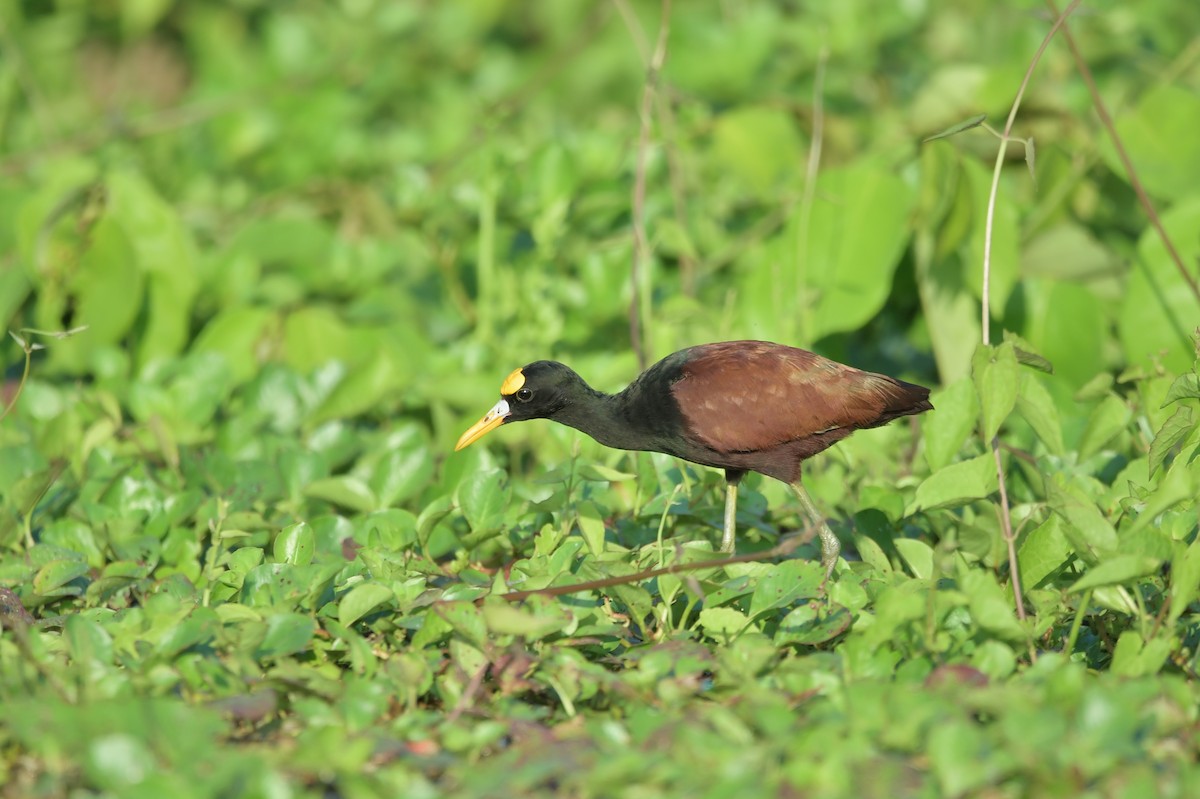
(524, 395)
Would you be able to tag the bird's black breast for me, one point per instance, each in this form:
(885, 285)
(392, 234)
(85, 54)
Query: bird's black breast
(649, 410)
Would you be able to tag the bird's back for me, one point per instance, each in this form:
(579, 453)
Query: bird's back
(765, 407)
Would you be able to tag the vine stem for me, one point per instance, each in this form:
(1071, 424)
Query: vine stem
(1005, 514)
(1008, 126)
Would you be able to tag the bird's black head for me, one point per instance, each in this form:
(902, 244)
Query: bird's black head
(536, 391)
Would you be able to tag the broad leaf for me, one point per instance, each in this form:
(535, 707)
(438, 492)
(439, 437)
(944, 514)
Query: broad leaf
(994, 371)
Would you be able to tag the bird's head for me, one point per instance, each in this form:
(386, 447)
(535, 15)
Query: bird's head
(536, 391)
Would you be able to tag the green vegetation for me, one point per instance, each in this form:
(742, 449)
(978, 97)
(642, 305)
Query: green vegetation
(298, 246)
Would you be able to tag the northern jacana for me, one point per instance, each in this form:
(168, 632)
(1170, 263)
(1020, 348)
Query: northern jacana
(743, 406)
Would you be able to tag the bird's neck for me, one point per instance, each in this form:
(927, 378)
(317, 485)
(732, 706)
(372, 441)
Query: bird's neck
(604, 418)
(618, 420)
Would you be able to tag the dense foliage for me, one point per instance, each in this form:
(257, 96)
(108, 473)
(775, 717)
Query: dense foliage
(298, 246)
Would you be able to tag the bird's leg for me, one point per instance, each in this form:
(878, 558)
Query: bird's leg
(732, 478)
(727, 542)
(830, 546)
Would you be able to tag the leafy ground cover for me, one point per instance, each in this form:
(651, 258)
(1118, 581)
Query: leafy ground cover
(298, 246)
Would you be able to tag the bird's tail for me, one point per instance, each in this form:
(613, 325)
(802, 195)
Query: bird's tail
(901, 399)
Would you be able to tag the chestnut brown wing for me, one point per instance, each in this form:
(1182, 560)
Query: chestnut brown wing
(745, 396)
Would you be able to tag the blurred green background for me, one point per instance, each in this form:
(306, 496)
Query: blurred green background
(307, 241)
(412, 198)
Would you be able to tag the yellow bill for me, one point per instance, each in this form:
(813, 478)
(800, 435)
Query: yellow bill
(491, 420)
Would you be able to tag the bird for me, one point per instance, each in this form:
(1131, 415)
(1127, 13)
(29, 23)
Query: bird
(741, 406)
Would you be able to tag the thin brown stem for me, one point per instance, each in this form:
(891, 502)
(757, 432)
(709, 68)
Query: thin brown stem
(784, 547)
(1010, 538)
(1106, 119)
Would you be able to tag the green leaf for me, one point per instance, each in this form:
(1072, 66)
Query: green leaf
(1091, 535)
(295, 545)
(918, 555)
(1185, 580)
(361, 600)
(166, 253)
(364, 388)
(1097, 388)
(1037, 407)
(851, 273)
(1133, 657)
(237, 334)
(313, 336)
(1069, 325)
(957, 484)
(962, 758)
(1117, 570)
(1178, 485)
(1186, 386)
(200, 627)
(483, 497)
(52, 577)
(466, 620)
(287, 633)
(784, 583)
(89, 643)
(1106, 420)
(404, 468)
(532, 622)
(944, 219)
(432, 515)
(757, 144)
(1033, 361)
(1158, 312)
(107, 292)
(994, 371)
(1043, 551)
(349, 492)
(1159, 135)
(591, 525)
(14, 288)
(871, 552)
(966, 124)
(1068, 251)
(722, 623)
(813, 623)
(1173, 431)
(945, 432)
(991, 607)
